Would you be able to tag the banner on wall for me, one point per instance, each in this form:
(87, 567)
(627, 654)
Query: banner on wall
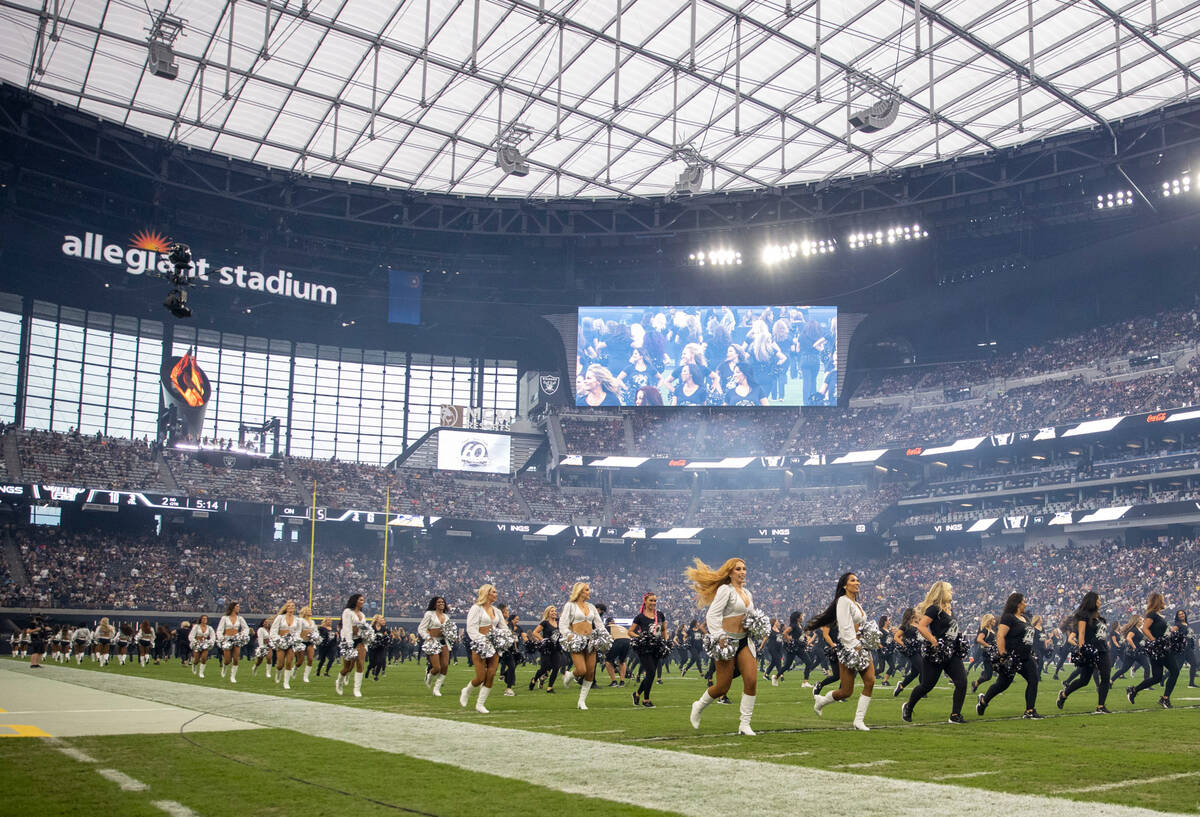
(474, 451)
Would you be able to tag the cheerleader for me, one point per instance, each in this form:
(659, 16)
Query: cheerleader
(773, 647)
(432, 632)
(833, 671)
(145, 642)
(310, 638)
(262, 647)
(1015, 639)
(285, 637)
(730, 605)
(327, 650)
(1164, 663)
(939, 629)
(617, 657)
(1187, 643)
(1092, 658)
(233, 632)
(124, 639)
(105, 633)
(377, 649)
(354, 634)
(484, 624)
(649, 635)
(853, 656)
(545, 635)
(510, 657)
(201, 639)
(58, 638)
(1131, 655)
(578, 627)
(985, 644)
(81, 639)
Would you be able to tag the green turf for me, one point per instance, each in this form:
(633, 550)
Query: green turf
(1070, 749)
(235, 774)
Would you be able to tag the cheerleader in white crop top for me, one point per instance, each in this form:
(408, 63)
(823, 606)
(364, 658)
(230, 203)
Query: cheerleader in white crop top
(310, 639)
(285, 638)
(81, 640)
(105, 633)
(232, 633)
(484, 620)
(201, 638)
(577, 623)
(354, 646)
(846, 615)
(724, 592)
(434, 644)
(262, 647)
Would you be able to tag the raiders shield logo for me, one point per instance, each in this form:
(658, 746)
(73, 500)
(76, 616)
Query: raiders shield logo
(550, 384)
(229, 461)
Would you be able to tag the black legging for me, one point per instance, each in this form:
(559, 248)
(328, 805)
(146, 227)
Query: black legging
(834, 677)
(775, 651)
(650, 665)
(1102, 670)
(376, 660)
(931, 672)
(548, 666)
(1027, 668)
(985, 660)
(1129, 661)
(915, 662)
(508, 667)
(1168, 668)
(695, 659)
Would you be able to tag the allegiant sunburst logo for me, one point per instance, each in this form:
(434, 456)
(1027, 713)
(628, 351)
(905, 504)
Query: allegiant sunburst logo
(150, 240)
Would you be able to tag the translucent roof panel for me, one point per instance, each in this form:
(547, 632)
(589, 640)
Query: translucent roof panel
(604, 98)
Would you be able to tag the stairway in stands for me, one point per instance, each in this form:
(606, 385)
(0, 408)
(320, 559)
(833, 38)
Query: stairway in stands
(12, 560)
(12, 459)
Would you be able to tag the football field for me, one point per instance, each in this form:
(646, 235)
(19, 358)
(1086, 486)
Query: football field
(158, 740)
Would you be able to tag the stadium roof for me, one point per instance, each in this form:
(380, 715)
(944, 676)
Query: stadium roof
(618, 96)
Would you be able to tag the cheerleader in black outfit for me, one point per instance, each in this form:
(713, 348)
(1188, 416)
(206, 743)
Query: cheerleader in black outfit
(849, 617)
(908, 641)
(774, 649)
(377, 651)
(985, 641)
(1091, 634)
(1189, 654)
(939, 629)
(648, 634)
(1164, 663)
(693, 638)
(1131, 655)
(793, 642)
(1015, 645)
(833, 671)
(883, 655)
(545, 635)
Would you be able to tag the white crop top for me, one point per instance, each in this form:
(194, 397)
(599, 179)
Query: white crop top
(573, 613)
(726, 604)
(431, 621)
(477, 617)
(850, 617)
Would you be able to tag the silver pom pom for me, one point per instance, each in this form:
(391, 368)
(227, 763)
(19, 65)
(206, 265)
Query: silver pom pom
(262, 650)
(601, 640)
(450, 634)
(869, 635)
(203, 644)
(483, 647)
(721, 649)
(855, 660)
(757, 624)
(431, 646)
(348, 650)
(574, 642)
(502, 639)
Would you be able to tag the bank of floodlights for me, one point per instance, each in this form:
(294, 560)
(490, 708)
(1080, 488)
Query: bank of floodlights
(1177, 186)
(892, 235)
(1121, 198)
(781, 253)
(720, 257)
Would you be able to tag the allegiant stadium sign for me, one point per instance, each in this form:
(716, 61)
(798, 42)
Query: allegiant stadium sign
(147, 254)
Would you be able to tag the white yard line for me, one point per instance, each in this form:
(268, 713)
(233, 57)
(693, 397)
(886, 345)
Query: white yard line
(173, 808)
(70, 751)
(784, 754)
(672, 781)
(1121, 784)
(961, 775)
(867, 765)
(123, 780)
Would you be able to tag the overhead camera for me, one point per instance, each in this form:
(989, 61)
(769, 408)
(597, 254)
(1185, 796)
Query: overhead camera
(176, 303)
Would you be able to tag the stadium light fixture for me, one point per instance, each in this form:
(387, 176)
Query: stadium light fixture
(508, 156)
(720, 257)
(780, 253)
(1177, 186)
(1121, 198)
(163, 33)
(892, 235)
(691, 179)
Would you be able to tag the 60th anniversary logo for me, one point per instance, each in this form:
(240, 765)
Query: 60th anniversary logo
(147, 253)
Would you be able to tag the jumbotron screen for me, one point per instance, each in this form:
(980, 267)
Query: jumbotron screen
(706, 356)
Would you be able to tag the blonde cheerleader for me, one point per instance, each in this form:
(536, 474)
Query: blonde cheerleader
(105, 633)
(489, 636)
(285, 638)
(581, 631)
(310, 638)
(201, 639)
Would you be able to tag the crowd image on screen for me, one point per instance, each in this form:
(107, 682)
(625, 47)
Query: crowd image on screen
(707, 356)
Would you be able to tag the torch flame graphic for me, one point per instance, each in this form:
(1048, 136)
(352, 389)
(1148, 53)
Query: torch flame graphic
(185, 377)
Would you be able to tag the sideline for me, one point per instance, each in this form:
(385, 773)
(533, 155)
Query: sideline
(670, 781)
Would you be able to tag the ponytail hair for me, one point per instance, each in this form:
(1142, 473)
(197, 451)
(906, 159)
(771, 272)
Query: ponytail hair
(829, 616)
